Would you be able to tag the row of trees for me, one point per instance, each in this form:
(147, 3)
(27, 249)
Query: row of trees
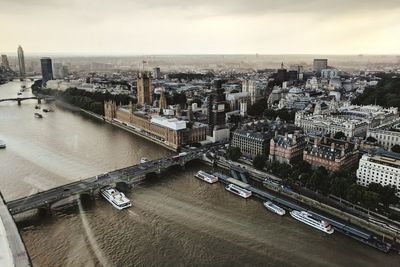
(341, 184)
(384, 94)
(92, 101)
(260, 109)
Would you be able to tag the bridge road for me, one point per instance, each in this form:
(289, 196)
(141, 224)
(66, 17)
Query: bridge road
(128, 175)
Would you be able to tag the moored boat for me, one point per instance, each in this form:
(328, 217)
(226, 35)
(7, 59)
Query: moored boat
(209, 178)
(274, 208)
(237, 190)
(2, 144)
(116, 198)
(143, 160)
(308, 219)
(38, 115)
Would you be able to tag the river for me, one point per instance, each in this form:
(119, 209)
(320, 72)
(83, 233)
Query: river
(175, 220)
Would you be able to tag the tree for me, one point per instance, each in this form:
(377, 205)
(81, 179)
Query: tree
(396, 148)
(370, 199)
(233, 153)
(355, 193)
(370, 139)
(259, 162)
(339, 135)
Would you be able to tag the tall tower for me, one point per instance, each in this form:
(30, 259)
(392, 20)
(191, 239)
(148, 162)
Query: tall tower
(47, 70)
(4, 61)
(144, 93)
(163, 100)
(21, 62)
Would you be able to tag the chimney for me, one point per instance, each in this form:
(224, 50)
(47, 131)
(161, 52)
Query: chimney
(333, 147)
(342, 153)
(332, 135)
(286, 136)
(315, 142)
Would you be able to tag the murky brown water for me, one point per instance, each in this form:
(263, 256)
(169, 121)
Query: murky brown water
(176, 220)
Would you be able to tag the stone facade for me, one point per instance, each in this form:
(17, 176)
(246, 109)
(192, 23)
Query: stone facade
(140, 121)
(144, 91)
(333, 155)
(287, 148)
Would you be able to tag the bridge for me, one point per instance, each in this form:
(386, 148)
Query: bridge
(126, 176)
(20, 99)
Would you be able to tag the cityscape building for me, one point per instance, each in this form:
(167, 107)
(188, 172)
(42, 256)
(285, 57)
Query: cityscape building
(381, 167)
(320, 64)
(47, 70)
(21, 62)
(144, 89)
(4, 62)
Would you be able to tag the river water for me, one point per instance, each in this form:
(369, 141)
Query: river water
(175, 220)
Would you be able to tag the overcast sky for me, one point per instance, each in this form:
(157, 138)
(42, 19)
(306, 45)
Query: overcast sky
(113, 27)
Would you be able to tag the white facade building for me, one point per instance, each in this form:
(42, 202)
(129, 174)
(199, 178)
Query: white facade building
(382, 168)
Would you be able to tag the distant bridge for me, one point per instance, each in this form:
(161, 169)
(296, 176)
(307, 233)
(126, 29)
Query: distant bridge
(20, 99)
(126, 176)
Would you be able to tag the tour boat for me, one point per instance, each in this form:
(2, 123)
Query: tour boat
(116, 198)
(237, 190)
(38, 115)
(37, 107)
(274, 208)
(2, 144)
(143, 160)
(209, 178)
(307, 218)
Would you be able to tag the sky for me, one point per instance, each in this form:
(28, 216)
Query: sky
(134, 27)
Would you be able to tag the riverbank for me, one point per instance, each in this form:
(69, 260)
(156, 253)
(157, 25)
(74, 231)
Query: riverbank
(312, 204)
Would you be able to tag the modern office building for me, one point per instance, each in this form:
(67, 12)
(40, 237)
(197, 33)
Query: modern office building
(47, 70)
(381, 167)
(156, 73)
(21, 62)
(4, 62)
(320, 64)
(251, 143)
(144, 90)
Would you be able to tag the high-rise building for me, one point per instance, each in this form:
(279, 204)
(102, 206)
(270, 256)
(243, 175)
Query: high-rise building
(156, 73)
(144, 92)
(320, 64)
(47, 70)
(216, 108)
(21, 62)
(163, 100)
(4, 61)
(381, 167)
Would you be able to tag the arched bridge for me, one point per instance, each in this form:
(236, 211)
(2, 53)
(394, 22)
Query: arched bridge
(127, 175)
(20, 99)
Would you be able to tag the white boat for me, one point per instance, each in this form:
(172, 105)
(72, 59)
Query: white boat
(143, 160)
(38, 115)
(116, 198)
(307, 218)
(2, 144)
(209, 178)
(237, 190)
(274, 208)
